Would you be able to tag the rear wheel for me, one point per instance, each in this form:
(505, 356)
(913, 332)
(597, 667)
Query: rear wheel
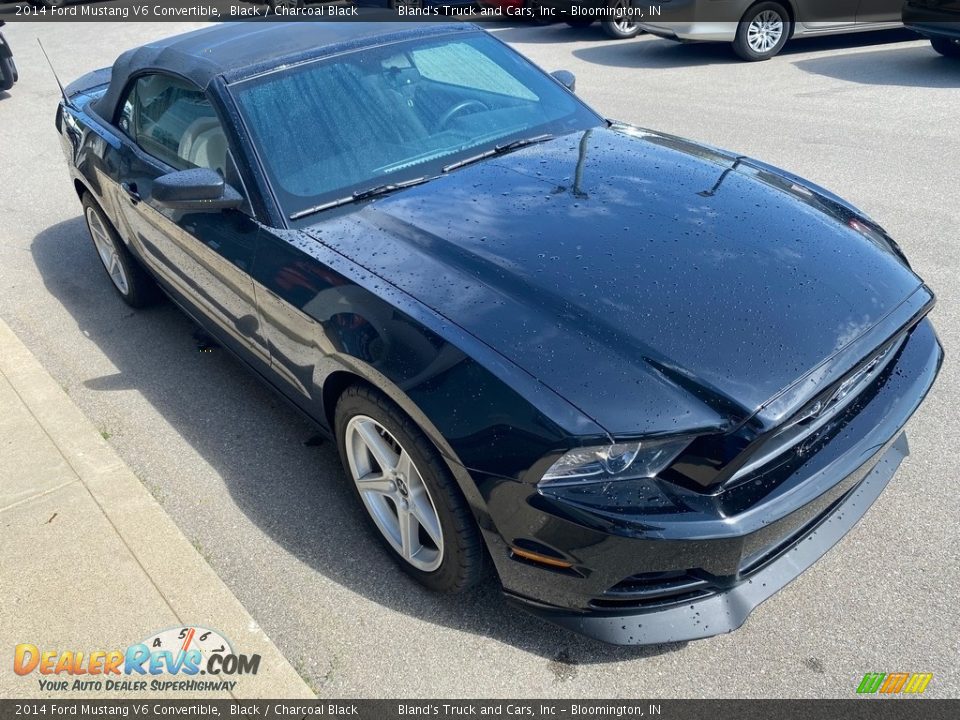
(413, 503)
(131, 282)
(762, 32)
(621, 27)
(946, 46)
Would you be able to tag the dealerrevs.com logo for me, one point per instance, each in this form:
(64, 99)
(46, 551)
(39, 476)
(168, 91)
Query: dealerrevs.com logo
(187, 659)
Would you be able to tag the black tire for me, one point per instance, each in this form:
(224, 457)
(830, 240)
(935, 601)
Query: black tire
(580, 22)
(946, 46)
(8, 73)
(620, 29)
(742, 45)
(463, 559)
(140, 290)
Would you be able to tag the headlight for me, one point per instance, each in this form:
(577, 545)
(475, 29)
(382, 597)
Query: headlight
(622, 461)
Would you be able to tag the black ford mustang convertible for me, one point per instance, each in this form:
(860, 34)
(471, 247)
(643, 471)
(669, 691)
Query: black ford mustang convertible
(648, 382)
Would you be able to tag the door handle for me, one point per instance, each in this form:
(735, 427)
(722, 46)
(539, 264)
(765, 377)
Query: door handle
(131, 190)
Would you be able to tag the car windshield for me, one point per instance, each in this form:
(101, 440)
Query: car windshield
(381, 116)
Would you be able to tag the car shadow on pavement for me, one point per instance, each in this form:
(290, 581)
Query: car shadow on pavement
(295, 491)
(905, 67)
(651, 52)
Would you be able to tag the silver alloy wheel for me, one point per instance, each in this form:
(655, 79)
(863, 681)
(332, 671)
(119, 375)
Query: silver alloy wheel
(393, 491)
(108, 252)
(623, 24)
(765, 31)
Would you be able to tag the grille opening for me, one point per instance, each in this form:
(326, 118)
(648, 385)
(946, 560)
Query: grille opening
(806, 428)
(658, 588)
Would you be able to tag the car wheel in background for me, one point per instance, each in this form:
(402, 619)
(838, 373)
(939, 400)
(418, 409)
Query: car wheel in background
(762, 32)
(946, 46)
(580, 22)
(129, 279)
(410, 497)
(620, 28)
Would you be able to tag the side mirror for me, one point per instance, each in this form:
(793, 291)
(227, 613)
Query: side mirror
(566, 78)
(196, 190)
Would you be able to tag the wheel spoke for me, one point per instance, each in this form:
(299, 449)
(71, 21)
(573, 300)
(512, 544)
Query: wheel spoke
(423, 511)
(382, 453)
(376, 483)
(405, 465)
(409, 543)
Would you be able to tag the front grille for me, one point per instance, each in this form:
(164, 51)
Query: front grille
(801, 433)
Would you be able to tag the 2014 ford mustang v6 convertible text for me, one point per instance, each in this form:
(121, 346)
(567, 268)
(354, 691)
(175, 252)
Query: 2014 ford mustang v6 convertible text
(649, 382)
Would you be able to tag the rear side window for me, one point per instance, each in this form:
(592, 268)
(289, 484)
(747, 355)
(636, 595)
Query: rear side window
(174, 122)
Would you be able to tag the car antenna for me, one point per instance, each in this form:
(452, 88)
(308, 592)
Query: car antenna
(66, 100)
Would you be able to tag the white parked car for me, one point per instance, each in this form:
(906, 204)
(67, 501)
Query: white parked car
(759, 30)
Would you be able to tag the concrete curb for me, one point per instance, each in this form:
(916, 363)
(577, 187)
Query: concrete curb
(186, 583)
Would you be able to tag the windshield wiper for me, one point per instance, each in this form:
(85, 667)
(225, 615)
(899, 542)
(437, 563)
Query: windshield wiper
(374, 191)
(497, 150)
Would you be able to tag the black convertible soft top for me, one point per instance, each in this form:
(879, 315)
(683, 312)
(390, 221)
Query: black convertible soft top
(241, 49)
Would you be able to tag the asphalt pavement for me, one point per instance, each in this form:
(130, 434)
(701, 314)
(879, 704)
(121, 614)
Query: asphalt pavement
(873, 118)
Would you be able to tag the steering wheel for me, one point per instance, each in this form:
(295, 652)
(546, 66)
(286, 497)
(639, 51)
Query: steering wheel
(459, 108)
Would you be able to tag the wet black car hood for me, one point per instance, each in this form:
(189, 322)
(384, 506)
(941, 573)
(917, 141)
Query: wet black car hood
(657, 284)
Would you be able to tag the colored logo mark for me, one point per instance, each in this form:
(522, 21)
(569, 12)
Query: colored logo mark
(894, 683)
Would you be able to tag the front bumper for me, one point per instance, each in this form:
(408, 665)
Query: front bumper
(694, 565)
(726, 610)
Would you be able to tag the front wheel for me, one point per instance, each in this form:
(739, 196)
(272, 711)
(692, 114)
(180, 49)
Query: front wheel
(413, 503)
(762, 32)
(131, 282)
(946, 46)
(621, 27)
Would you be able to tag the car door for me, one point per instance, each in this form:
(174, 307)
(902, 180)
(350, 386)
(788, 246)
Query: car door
(826, 14)
(203, 258)
(876, 11)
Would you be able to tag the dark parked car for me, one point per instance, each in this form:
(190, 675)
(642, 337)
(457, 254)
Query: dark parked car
(8, 68)
(938, 20)
(759, 29)
(650, 381)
